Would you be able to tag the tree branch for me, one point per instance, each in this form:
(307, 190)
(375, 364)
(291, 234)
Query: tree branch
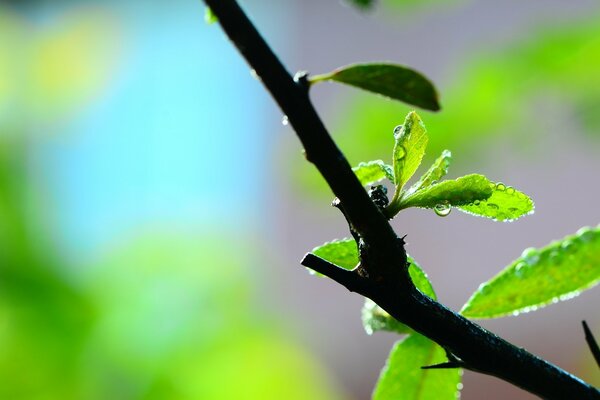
(388, 283)
(591, 341)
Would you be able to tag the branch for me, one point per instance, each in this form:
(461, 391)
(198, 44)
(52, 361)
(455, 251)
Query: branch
(589, 338)
(388, 283)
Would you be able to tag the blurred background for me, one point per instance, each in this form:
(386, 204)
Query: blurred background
(154, 209)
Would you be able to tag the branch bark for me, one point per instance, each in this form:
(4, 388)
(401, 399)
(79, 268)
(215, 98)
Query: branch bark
(387, 281)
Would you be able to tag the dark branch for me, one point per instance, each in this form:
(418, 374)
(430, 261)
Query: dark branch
(349, 279)
(388, 283)
(591, 341)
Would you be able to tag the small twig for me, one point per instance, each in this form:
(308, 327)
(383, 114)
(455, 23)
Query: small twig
(349, 279)
(591, 341)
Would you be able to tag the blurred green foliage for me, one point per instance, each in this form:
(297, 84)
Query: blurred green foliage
(162, 314)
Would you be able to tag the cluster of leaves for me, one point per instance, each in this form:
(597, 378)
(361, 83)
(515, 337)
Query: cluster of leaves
(556, 272)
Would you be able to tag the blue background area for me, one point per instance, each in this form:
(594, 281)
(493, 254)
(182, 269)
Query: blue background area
(177, 136)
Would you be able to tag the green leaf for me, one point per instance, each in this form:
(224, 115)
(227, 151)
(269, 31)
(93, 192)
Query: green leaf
(390, 80)
(403, 378)
(209, 16)
(375, 318)
(556, 272)
(437, 171)
(373, 171)
(341, 252)
(410, 143)
(505, 204)
(462, 191)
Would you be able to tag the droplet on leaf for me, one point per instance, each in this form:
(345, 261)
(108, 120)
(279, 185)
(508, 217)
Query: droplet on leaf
(442, 209)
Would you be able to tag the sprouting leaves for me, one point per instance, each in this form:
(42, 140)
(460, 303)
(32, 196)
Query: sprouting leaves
(473, 194)
(409, 148)
(539, 277)
(505, 204)
(403, 378)
(373, 171)
(462, 191)
(437, 171)
(390, 80)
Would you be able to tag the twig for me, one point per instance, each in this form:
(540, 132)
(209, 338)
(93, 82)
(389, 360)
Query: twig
(591, 341)
(388, 283)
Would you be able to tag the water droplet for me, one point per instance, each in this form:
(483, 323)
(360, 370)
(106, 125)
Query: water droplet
(255, 75)
(556, 257)
(483, 288)
(477, 202)
(399, 152)
(459, 386)
(530, 255)
(513, 209)
(520, 269)
(492, 206)
(585, 234)
(510, 190)
(515, 313)
(284, 120)
(500, 186)
(492, 185)
(398, 130)
(569, 246)
(442, 209)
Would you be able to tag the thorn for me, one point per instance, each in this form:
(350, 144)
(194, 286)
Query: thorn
(446, 365)
(591, 341)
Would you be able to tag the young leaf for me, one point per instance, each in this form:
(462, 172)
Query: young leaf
(556, 272)
(410, 143)
(462, 191)
(209, 16)
(373, 171)
(341, 252)
(390, 80)
(375, 318)
(437, 171)
(505, 204)
(403, 378)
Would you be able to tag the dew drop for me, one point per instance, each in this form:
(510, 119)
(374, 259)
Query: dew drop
(556, 257)
(510, 190)
(520, 269)
(477, 202)
(284, 120)
(442, 209)
(492, 206)
(255, 75)
(399, 152)
(483, 288)
(515, 313)
(500, 186)
(513, 209)
(569, 246)
(459, 386)
(398, 130)
(585, 234)
(530, 255)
